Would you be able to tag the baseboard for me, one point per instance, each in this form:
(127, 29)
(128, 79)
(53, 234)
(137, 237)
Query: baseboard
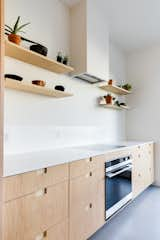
(156, 183)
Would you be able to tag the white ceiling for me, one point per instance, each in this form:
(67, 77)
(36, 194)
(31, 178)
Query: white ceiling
(133, 23)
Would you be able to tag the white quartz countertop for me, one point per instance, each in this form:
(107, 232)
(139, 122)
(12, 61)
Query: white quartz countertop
(30, 161)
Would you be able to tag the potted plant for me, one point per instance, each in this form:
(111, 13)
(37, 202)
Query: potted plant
(108, 99)
(127, 87)
(13, 31)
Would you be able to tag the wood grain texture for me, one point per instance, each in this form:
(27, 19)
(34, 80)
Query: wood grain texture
(115, 89)
(87, 206)
(2, 47)
(27, 56)
(31, 88)
(30, 216)
(1, 109)
(58, 232)
(23, 184)
(83, 166)
(143, 168)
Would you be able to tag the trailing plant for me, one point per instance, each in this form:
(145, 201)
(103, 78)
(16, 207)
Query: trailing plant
(17, 28)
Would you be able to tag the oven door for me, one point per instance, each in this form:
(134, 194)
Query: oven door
(118, 189)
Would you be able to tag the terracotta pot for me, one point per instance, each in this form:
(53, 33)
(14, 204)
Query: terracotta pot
(108, 99)
(14, 38)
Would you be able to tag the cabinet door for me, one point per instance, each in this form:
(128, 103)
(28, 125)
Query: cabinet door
(87, 204)
(23, 184)
(143, 168)
(34, 214)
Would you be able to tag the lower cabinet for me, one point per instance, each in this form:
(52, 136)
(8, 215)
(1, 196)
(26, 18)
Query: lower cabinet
(66, 202)
(30, 216)
(87, 204)
(143, 168)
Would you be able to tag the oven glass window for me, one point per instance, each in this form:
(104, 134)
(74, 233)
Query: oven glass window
(117, 188)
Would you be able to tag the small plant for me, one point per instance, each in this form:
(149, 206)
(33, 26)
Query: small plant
(108, 99)
(13, 31)
(127, 87)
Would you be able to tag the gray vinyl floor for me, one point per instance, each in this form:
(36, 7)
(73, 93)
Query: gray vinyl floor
(138, 221)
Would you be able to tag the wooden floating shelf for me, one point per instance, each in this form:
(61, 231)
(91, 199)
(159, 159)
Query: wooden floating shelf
(114, 106)
(28, 56)
(31, 88)
(115, 89)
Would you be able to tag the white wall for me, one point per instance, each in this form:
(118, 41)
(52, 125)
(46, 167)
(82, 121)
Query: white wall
(143, 120)
(35, 122)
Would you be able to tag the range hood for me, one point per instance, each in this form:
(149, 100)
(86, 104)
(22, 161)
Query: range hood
(89, 41)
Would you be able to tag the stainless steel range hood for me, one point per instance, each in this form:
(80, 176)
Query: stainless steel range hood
(89, 41)
(88, 78)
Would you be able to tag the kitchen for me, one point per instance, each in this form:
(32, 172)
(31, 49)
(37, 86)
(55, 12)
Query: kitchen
(57, 144)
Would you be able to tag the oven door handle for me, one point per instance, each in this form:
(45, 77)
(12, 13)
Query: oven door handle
(111, 175)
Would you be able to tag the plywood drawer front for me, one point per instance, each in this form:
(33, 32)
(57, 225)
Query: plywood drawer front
(84, 188)
(58, 232)
(143, 168)
(87, 216)
(32, 215)
(81, 167)
(23, 184)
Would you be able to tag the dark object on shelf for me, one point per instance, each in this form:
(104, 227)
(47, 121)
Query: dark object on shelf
(123, 104)
(65, 60)
(39, 49)
(59, 57)
(117, 103)
(60, 88)
(13, 77)
(39, 83)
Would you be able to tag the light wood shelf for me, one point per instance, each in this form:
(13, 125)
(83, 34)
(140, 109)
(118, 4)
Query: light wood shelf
(28, 56)
(115, 89)
(31, 88)
(114, 106)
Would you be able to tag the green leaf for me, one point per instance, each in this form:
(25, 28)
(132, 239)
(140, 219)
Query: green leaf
(22, 26)
(16, 24)
(11, 29)
(7, 30)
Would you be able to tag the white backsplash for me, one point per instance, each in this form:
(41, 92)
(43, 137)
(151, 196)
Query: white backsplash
(27, 139)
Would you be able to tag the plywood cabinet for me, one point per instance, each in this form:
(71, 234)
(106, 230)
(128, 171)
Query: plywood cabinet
(66, 202)
(87, 196)
(41, 214)
(23, 184)
(143, 168)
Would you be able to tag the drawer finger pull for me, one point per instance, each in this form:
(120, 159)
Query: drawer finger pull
(41, 192)
(90, 174)
(90, 205)
(41, 236)
(45, 191)
(45, 234)
(42, 171)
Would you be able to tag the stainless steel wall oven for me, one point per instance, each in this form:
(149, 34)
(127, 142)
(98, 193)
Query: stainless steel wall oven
(118, 184)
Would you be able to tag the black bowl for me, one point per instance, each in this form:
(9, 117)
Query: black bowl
(60, 88)
(39, 49)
